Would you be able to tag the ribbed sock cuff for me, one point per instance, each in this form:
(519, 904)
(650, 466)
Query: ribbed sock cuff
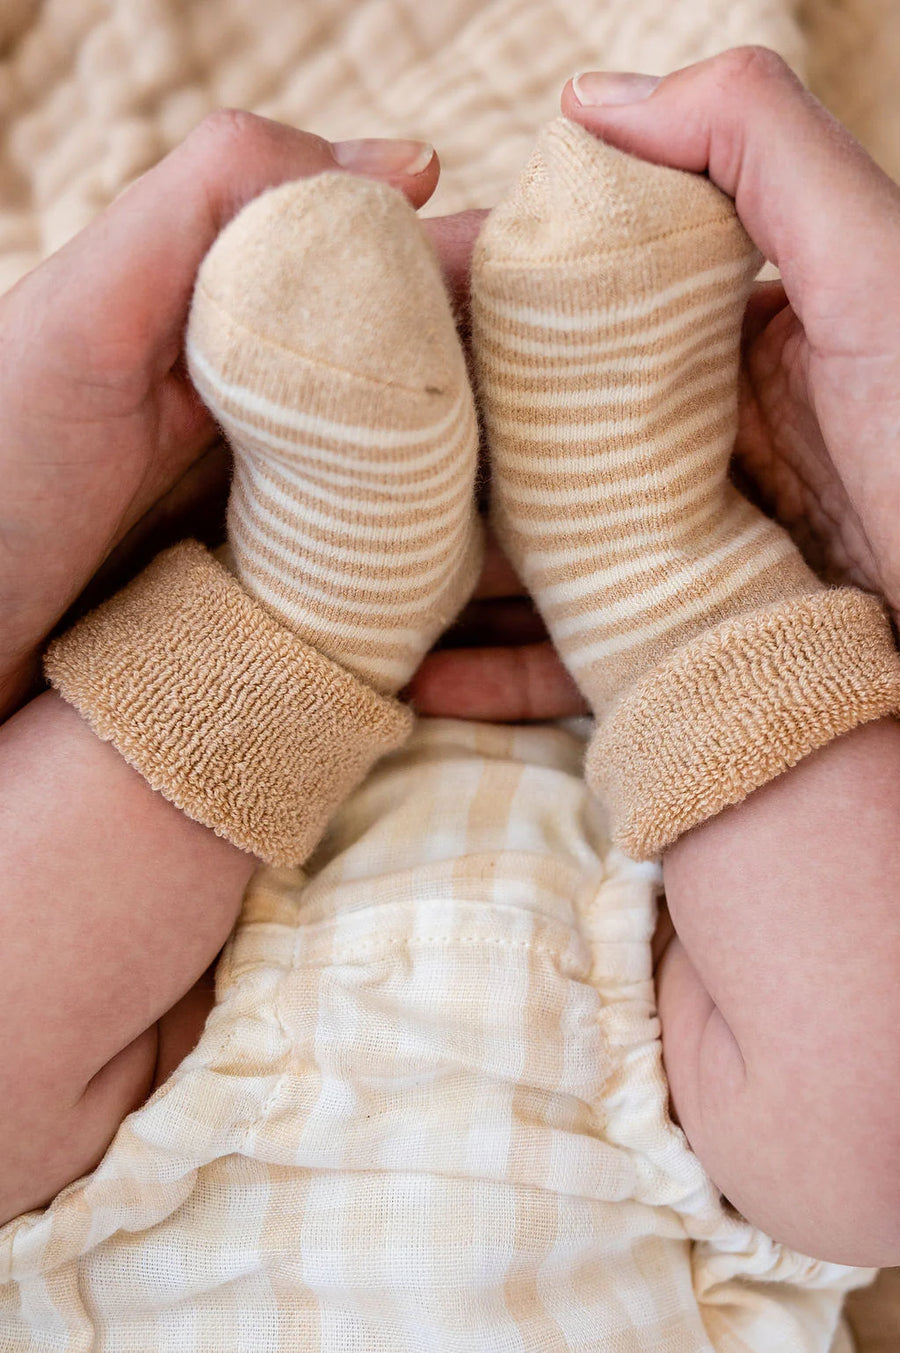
(223, 711)
(736, 707)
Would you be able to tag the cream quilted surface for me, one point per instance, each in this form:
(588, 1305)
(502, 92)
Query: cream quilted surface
(93, 92)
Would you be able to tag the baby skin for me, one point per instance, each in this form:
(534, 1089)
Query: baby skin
(219, 712)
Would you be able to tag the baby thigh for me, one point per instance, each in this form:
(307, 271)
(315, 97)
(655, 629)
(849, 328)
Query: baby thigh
(114, 904)
(780, 1004)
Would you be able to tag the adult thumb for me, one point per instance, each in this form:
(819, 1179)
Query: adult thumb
(808, 194)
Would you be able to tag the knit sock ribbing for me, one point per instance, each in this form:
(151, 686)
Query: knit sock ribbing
(608, 295)
(322, 340)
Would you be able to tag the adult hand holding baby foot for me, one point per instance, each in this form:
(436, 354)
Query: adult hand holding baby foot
(749, 1029)
(819, 429)
(818, 418)
(100, 420)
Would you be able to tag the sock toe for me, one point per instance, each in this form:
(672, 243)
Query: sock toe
(331, 245)
(579, 196)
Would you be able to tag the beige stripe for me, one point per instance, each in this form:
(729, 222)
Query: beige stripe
(530, 368)
(701, 289)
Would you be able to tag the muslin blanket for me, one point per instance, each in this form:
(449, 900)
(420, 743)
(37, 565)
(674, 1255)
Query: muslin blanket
(93, 92)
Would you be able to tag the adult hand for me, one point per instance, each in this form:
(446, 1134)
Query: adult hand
(99, 418)
(496, 662)
(820, 403)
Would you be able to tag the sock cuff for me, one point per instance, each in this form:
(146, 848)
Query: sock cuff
(225, 712)
(736, 707)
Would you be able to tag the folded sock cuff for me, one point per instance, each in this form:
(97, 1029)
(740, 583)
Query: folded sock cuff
(736, 707)
(222, 710)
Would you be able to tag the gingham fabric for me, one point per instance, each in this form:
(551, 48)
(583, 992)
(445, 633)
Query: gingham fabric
(427, 1113)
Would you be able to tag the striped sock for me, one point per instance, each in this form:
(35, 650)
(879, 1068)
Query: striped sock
(607, 296)
(608, 300)
(322, 340)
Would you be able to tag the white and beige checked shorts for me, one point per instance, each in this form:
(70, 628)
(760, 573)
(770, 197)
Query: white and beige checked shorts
(428, 1111)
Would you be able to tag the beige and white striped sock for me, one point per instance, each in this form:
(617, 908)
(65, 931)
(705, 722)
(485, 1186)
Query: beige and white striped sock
(608, 295)
(607, 304)
(322, 340)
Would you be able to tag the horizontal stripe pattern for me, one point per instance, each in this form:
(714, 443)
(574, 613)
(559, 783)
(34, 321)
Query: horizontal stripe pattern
(607, 373)
(351, 517)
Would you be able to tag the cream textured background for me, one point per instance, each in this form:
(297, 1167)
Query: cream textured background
(93, 92)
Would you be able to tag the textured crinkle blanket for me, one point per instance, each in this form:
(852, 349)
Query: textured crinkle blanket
(93, 92)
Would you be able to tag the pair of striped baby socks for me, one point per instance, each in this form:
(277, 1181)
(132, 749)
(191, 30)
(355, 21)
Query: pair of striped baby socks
(607, 303)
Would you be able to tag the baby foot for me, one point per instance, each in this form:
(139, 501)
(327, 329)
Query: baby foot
(322, 340)
(607, 303)
(608, 295)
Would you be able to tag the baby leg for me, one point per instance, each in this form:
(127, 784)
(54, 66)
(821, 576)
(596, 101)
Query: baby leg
(114, 903)
(608, 296)
(252, 705)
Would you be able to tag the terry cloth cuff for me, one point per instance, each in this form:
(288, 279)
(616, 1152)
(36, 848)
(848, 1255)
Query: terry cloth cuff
(224, 711)
(737, 706)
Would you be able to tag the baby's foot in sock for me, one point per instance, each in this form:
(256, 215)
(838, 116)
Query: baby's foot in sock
(607, 303)
(322, 340)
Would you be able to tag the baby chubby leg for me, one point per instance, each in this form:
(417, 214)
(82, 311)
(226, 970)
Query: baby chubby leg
(235, 712)
(113, 904)
(607, 297)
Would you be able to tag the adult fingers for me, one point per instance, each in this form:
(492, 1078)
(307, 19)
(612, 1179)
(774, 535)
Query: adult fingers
(123, 285)
(454, 239)
(502, 685)
(812, 199)
(767, 299)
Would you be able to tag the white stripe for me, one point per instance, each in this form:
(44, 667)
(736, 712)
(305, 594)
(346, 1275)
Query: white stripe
(299, 568)
(304, 620)
(297, 514)
(346, 559)
(623, 311)
(311, 464)
(459, 486)
(594, 486)
(297, 583)
(313, 425)
(652, 480)
(619, 425)
(599, 580)
(620, 517)
(541, 562)
(252, 502)
(335, 456)
(592, 584)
